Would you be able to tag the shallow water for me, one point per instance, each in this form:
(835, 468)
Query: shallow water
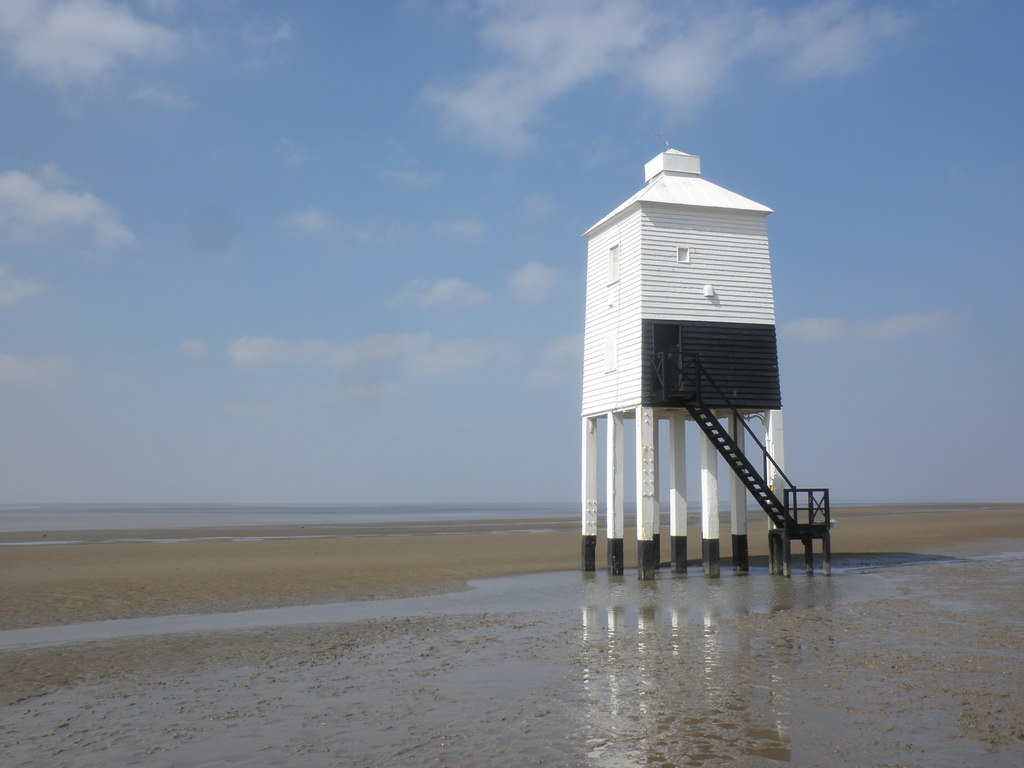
(623, 601)
(864, 668)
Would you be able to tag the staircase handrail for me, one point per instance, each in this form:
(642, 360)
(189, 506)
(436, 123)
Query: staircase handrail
(701, 373)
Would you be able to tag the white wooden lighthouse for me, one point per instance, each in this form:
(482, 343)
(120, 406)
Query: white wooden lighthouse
(680, 326)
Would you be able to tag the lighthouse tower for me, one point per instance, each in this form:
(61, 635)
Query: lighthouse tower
(680, 326)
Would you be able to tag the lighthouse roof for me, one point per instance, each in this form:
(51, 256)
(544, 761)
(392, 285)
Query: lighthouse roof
(673, 178)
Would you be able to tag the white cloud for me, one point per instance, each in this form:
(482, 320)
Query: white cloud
(14, 289)
(310, 221)
(545, 50)
(45, 371)
(32, 206)
(194, 348)
(416, 354)
(467, 229)
(548, 49)
(447, 291)
(532, 283)
(883, 330)
(74, 42)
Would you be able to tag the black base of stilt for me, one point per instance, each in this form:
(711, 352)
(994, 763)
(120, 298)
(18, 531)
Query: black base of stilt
(712, 557)
(740, 553)
(678, 547)
(646, 559)
(657, 550)
(779, 553)
(615, 558)
(588, 553)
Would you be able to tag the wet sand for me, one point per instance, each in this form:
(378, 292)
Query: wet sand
(915, 661)
(125, 574)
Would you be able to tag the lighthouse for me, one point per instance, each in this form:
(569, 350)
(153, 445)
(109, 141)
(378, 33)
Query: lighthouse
(680, 327)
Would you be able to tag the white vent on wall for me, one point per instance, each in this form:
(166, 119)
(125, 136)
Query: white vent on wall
(683, 254)
(709, 291)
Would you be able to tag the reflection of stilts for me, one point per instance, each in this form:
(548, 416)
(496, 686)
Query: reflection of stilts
(681, 678)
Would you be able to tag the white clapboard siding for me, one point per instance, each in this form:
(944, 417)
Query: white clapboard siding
(613, 311)
(729, 251)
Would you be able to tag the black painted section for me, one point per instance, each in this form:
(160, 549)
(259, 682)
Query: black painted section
(809, 556)
(588, 553)
(740, 553)
(646, 559)
(678, 547)
(711, 552)
(615, 558)
(742, 358)
(657, 550)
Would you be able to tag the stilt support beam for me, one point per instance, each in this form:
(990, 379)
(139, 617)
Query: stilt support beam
(710, 548)
(614, 489)
(677, 505)
(738, 505)
(588, 548)
(646, 516)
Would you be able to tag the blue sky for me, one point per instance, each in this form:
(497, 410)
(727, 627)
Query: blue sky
(329, 252)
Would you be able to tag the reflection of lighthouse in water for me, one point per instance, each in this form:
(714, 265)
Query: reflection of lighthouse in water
(674, 675)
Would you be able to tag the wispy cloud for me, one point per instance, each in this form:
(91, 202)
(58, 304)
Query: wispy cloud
(536, 206)
(44, 371)
(411, 178)
(875, 331)
(417, 354)
(289, 153)
(561, 359)
(311, 221)
(33, 206)
(14, 289)
(545, 50)
(165, 97)
(467, 229)
(263, 33)
(444, 292)
(76, 42)
(196, 348)
(533, 282)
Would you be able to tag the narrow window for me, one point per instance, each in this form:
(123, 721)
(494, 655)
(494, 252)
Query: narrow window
(609, 353)
(613, 264)
(683, 255)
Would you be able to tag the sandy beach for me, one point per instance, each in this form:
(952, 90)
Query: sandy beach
(892, 636)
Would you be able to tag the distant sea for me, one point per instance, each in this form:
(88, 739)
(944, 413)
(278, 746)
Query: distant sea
(98, 517)
(20, 518)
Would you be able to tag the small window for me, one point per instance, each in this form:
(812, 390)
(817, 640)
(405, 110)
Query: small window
(613, 264)
(683, 254)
